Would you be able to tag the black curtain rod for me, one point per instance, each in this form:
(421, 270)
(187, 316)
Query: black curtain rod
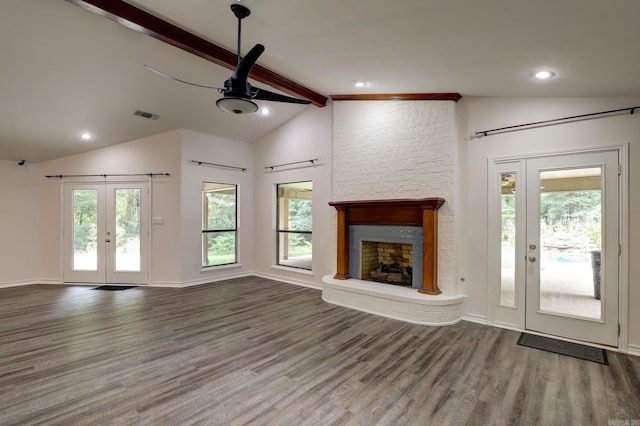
(290, 164)
(549, 122)
(244, 169)
(110, 175)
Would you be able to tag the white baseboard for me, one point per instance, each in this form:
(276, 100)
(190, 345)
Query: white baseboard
(49, 281)
(172, 284)
(166, 284)
(288, 280)
(633, 350)
(200, 281)
(18, 283)
(478, 319)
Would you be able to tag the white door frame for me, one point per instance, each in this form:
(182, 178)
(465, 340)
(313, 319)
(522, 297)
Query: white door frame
(500, 316)
(601, 330)
(508, 316)
(102, 185)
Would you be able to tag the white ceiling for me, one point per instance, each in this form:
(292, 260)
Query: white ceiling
(65, 70)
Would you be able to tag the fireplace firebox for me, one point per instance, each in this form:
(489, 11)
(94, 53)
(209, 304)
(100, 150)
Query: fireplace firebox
(389, 263)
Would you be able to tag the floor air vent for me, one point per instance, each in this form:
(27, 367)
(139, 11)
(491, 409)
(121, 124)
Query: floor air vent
(114, 287)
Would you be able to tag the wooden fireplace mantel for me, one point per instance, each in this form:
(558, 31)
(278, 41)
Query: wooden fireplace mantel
(405, 212)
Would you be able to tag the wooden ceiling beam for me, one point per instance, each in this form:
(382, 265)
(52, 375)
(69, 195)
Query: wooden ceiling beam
(400, 97)
(146, 23)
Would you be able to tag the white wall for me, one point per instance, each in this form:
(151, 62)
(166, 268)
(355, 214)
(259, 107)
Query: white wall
(477, 114)
(19, 224)
(202, 147)
(155, 154)
(306, 137)
(400, 149)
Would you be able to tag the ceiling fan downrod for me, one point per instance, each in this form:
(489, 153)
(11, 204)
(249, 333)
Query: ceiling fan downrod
(241, 12)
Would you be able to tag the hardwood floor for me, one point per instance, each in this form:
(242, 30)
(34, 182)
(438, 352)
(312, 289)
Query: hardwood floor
(255, 351)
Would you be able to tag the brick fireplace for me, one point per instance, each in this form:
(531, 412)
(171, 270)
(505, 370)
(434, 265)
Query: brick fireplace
(403, 150)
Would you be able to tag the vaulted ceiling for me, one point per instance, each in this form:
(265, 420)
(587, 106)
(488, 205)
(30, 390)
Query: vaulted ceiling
(66, 69)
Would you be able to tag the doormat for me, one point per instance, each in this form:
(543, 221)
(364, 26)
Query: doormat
(575, 350)
(114, 287)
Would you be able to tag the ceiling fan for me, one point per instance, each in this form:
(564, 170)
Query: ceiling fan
(237, 93)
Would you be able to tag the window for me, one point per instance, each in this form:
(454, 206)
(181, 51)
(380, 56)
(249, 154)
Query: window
(294, 224)
(219, 224)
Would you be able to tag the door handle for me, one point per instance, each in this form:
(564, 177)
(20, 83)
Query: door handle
(532, 258)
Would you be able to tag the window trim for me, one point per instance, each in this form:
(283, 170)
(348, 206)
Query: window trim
(212, 231)
(288, 231)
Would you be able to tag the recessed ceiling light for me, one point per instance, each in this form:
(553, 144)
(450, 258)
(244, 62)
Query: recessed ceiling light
(86, 136)
(265, 111)
(543, 75)
(360, 83)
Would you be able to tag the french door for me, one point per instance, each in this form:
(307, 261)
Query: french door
(558, 249)
(106, 233)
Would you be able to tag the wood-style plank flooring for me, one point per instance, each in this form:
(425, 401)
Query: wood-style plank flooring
(255, 351)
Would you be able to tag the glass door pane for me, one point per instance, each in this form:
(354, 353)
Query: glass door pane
(127, 238)
(507, 239)
(570, 242)
(85, 230)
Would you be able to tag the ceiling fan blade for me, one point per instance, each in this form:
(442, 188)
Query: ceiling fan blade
(241, 73)
(265, 95)
(150, 68)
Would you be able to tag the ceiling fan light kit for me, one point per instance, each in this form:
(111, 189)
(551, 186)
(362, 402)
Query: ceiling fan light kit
(237, 93)
(237, 105)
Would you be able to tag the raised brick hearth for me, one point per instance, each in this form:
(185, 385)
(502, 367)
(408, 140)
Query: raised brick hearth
(391, 221)
(392, 301)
